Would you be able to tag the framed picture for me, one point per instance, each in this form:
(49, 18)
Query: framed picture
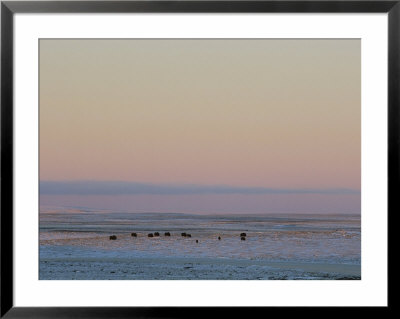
(162, 155)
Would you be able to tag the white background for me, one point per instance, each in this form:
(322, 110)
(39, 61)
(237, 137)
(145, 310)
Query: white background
(370, 291)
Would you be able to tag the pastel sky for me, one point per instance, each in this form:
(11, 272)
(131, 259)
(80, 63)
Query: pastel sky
(251, 126)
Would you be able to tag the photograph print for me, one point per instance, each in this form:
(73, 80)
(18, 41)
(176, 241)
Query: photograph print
(200, 159)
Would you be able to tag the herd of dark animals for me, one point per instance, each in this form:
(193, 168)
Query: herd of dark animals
(168, 234)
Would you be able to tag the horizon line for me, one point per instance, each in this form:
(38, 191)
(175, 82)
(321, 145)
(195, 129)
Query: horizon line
(90, 187)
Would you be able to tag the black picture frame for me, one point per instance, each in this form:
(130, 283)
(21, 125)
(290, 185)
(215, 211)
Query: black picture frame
(9, 8)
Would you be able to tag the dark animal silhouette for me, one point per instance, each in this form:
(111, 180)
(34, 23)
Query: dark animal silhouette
(188, 235)
(156, 234)
(219, 238)
(150, 235)
(167, 234)
(133, 234)
(243, 235)
(113, 237)
(183, 234)
(197, 241)
(242, 238)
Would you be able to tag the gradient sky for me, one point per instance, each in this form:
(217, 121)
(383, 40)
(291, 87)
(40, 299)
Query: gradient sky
(208, 122)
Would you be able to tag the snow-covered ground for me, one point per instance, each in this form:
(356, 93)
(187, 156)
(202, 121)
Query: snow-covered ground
(76, 245)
